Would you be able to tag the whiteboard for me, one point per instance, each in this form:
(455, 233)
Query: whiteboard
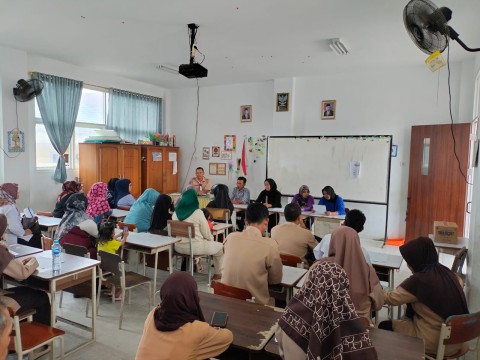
(357, 167)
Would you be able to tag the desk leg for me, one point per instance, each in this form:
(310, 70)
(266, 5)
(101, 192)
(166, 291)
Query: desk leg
(94, 303)
(53, 290)
(170, 253)
(155, 270)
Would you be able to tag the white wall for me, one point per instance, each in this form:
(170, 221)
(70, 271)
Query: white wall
(384, 102)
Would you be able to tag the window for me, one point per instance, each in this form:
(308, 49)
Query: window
(92, 114)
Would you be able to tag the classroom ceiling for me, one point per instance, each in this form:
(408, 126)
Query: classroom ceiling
(242, 40)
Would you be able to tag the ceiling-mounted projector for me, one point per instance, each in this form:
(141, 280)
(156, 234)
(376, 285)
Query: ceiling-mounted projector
(192, 70)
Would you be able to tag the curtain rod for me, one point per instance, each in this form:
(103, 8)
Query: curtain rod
(30, 73)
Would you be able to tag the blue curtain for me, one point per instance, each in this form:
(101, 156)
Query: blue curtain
(133, 116)
(58, 104)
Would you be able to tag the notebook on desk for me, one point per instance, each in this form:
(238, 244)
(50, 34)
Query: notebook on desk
(320, 209)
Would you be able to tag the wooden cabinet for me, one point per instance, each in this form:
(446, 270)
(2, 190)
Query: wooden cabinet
(101, 162)
(159, 171)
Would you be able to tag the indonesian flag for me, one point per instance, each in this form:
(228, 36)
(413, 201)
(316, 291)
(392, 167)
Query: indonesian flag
(244, 159)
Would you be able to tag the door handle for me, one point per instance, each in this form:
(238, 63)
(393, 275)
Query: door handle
(469, 207)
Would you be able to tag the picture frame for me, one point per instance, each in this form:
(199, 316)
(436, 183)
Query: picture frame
(226, 155)
(246, 113)
(206, 153)
(16, 141)
(212, 169)
(215, 151)
(328, 110)
(221, 169)
(394, 150)
(283, 100)
(230, 142)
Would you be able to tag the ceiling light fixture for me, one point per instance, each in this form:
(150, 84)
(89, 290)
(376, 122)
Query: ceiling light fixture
(338, 47)
(167, 68)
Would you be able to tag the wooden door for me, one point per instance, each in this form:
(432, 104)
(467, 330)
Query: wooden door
(130, 156)
(436, 188)
(170, 179)
(152, 167)
(108, 166)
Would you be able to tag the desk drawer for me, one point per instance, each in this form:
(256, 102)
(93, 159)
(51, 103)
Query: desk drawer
(73, 279)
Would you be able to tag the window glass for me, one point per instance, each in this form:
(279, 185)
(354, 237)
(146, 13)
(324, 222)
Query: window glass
(46, 156)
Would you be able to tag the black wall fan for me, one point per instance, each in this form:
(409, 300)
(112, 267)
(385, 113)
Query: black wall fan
(27, 90)
(427, 26)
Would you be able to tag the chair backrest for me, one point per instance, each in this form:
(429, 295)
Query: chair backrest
(230, 291)
(180, 229)
(219, 214)
(76, 250)
(110, 263)
(291, 260)
(131, 227)
(46, 243)
(458, 329)
(459, 260)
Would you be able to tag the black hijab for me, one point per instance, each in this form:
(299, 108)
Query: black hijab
(180, 302)
(433, 284)
(273, 186)
(161, 213)
(222, 199)
(329, 190)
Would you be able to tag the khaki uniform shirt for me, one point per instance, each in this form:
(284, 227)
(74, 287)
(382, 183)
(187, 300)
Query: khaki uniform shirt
(293, 240)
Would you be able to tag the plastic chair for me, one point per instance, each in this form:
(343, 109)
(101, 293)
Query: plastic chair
(28, 336)
(220, 288)
(458, 329)
(186, 230)
(119, 278)
(291, 260)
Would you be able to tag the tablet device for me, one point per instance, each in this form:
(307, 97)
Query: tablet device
(219, 319)
(320, 209)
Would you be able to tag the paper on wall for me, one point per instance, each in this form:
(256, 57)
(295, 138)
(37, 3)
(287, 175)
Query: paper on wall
(174, 169)
(156, 156)
(172, 156)
(355, 167)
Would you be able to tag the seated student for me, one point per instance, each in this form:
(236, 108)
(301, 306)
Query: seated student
(291, 237)
(176, 329)
(241, 195)
(271, 197)
(123, 197)
(222, 199)
(141, 212)
(203, 244)
(98, 205)
(365, 289)
(111, 193)
(333, 202)
(354, 219)
(329, 327)
(251, 260)
(68, 188)
(200, 183)
(304, 199)
(21, 297)
(162, 212)
(77, 227)
(432, 294)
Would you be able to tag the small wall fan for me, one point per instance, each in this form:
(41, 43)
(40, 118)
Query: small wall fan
(27, 90)
(427, 26)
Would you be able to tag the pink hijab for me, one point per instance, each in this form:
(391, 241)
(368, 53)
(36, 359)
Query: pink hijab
(97, 200)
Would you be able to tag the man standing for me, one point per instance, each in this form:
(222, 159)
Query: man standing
(251, 261)
(200, 183)
(291, 237)
(241, 195)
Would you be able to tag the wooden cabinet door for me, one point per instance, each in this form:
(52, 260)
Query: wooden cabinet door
(108, 162)
(129, 161)
(152, 168)
(170, 180)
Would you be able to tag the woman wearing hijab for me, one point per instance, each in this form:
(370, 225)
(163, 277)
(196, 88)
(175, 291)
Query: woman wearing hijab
(123, 197)
(303, 198)
(365, 290)
(432, 294)
(140, 213)
(97, 202)
(271, 197)
(188, 210)
(320, 321)
(8, 206)
(68, 188)
(22, 297)
(333, 202)
(222, 199)
(176, 329)
(161, 214)
(77, 227)
(111, 193)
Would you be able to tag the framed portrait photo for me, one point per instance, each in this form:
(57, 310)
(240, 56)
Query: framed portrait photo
(215, 151)
(206, 153)
(246, 113)
(328, 109)
(283, 100)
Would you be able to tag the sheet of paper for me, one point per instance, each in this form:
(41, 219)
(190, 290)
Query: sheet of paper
(156, 156)
(172, 156)
(175, 164)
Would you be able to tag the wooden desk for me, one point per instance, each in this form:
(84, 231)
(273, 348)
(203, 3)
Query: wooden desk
(203, 200)
(118, 215)
(388, 262)
(19, 250)
(220, 228)
(290, 277)
(450, 248)
(75, 270)
(151, 244)
(49, 224)
(388, 344)
(252, 324)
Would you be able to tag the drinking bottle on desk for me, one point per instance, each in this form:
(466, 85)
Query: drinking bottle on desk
(56, 256)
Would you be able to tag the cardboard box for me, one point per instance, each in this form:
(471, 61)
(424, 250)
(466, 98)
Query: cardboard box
(445, 232)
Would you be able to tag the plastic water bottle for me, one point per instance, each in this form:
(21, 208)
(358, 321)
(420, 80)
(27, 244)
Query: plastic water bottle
(56, 256)
(201, 189)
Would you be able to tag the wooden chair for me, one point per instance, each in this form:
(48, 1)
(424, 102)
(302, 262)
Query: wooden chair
(458, 329)
(219, 214)
(119, 278)
(131, 227)
(230, 291)
(186, 230)
(45, 213)
(46, 243)
(291, 260)
(28, 336)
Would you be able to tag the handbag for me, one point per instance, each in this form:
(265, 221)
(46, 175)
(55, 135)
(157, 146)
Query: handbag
(31, 221)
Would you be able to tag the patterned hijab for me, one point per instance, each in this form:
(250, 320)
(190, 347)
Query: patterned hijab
(97, 199)
(9, 193)
(345, 250)
(121, 189)
(321, 317)
(74, 214)
(433, 284)
(180, 302)
(301, 200)
(69, 187)
(187, 205)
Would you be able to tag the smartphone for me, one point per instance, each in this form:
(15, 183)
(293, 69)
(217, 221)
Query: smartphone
(219, 319)
(125, 228)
